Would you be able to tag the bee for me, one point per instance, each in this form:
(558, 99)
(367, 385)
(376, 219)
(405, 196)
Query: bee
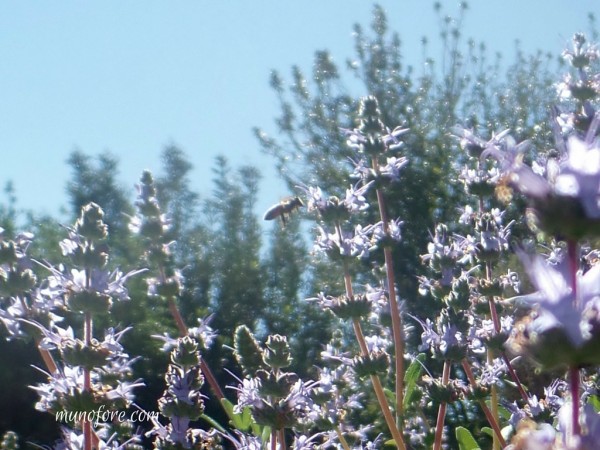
(283, 209)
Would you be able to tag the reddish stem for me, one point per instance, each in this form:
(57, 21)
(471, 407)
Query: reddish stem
(364, 349)
(439, 425)
(488, 414)
(515, 377)
(362, 343)
(282, 439)
(394, 308)
(574, 388)
(491, 301)
(183, 331)
(87, 381)
(573, 255)
(47, 358)
(379, 392)
(181, 326)
(498, 328)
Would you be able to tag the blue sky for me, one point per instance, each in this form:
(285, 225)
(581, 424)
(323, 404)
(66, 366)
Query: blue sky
(134, 76)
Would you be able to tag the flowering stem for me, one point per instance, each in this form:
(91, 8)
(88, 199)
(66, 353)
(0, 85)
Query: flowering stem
(394, 308)
(494, 401)
(397, 331)
(573, 255)
(385, 409)
(181, 326)
(491, 301)
(493, 423)
(574, 388)
(511, 370)
(488, 414)
(210, 378)
(378, 388)
(439, 425)
(362, 343)
(515, 377)
(342, 439)
(490, 353)
(183, 331)
(282, 439)
(364, 349)
(47, 358)
(87, 381)
(498, 328)
(274, 440)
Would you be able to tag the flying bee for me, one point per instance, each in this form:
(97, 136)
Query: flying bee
(283, 209)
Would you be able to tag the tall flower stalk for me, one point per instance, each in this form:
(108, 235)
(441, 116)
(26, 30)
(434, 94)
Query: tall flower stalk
(277, 399)
(370, 140)
(90, 367)
(182, 401)
(375, 145)
(562, 191)
(366, 357)
(152, 225)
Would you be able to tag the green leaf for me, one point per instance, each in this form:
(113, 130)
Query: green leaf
(488, 431)
(465, 439)
(246, 418)
(240, 421)
(266, 434)
(228, 407)
(503, 413)
(213, 423)
(411, 378)
(594, 400)
(257, 430)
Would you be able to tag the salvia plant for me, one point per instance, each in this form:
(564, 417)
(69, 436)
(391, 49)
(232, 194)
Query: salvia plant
(506, 357)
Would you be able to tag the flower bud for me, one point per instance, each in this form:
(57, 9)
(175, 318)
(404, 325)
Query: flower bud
(14, 282)
(355, 307)
(90, 224)
(277, 386)
(247, 351)
(376, 363)
(8, 253)
(152, 228)
(277, 354)
(185, 354)
(169, 288)
(89, 302)
(440, 393)
(76, 353)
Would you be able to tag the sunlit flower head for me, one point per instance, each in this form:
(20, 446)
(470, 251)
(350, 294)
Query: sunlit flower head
(566, 193)
(564, 328)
